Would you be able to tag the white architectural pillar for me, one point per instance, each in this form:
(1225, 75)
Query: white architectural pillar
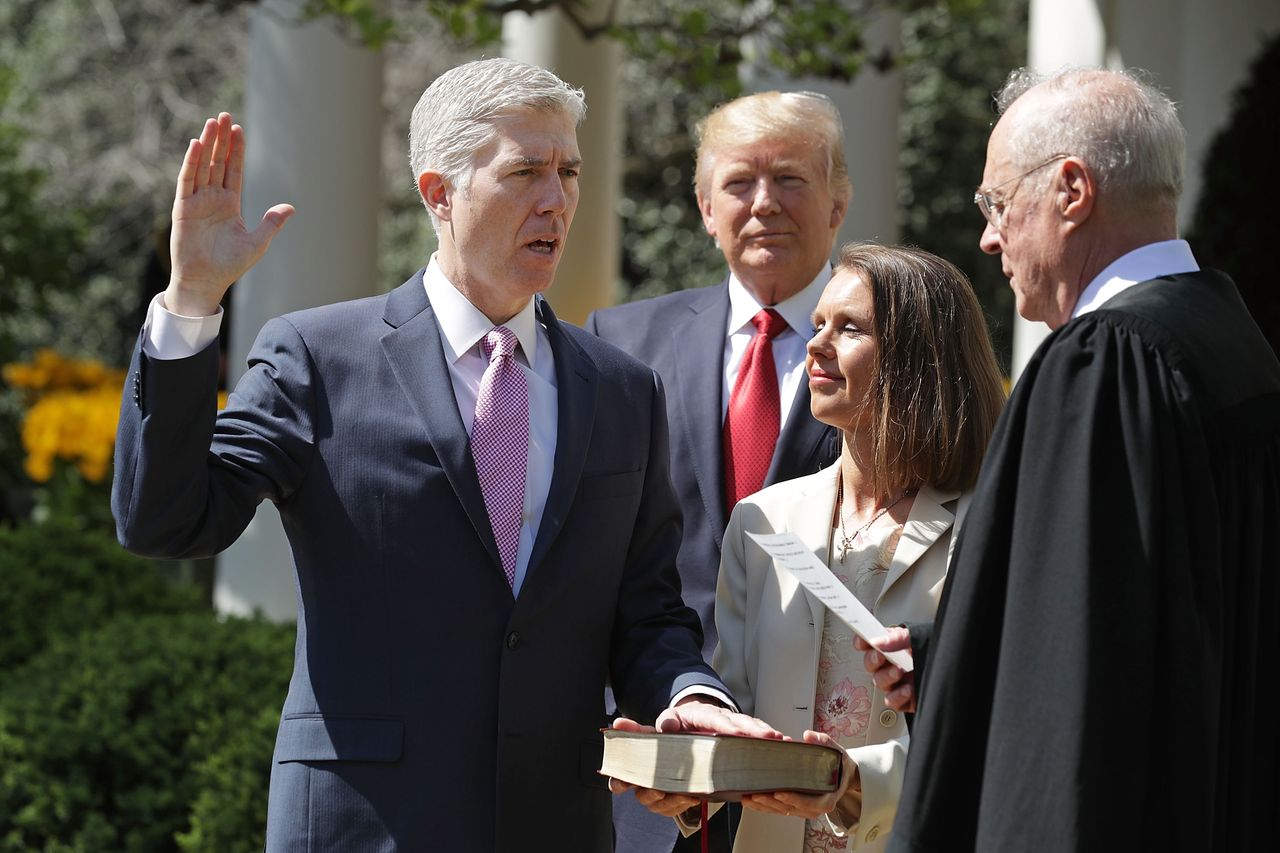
(1199, 52)
(1048, 50)
(869, 108)
(313, 120)
(588, 272)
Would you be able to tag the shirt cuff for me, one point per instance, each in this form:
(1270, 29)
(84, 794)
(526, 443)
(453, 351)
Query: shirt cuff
(167, 336)
(836, 825)
(705, 690)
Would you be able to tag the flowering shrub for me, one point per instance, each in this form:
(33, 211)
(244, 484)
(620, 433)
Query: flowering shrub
(76, 404)
(73, 416)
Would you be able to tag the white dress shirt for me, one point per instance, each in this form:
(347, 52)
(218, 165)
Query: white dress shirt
(462, 325)
(1168, 257)
(788, 347)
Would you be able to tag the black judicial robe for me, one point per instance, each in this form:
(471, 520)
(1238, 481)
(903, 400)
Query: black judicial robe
(1102, 670)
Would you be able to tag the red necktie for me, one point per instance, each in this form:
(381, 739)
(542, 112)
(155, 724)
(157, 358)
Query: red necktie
(751, 424)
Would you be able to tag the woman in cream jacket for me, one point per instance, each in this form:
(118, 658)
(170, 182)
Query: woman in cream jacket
(901, 363)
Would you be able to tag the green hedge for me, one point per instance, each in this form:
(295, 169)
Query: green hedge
(57, 580)
(147, 729)
(230, 810)
(1234, 225)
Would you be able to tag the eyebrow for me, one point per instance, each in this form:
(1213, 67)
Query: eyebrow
(737, 168)
(539, 162)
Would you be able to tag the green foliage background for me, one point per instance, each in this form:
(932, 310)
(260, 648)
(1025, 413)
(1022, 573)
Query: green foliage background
(131, 717)
(108, 738)
(59, 580)
(953, 62)
(1235, 220)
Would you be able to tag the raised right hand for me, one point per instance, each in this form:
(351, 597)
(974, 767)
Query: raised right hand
(210, 246)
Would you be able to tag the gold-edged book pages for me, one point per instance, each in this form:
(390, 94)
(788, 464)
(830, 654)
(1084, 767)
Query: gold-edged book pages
(719, 767)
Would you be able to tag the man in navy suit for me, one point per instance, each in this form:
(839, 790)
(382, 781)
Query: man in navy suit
(773, 188)
(476, 496)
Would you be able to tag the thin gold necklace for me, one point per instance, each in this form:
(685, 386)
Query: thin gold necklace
(847, 540)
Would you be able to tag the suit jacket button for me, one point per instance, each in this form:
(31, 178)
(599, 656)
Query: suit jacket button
(513, 639)
(888, 718)
(873, 833)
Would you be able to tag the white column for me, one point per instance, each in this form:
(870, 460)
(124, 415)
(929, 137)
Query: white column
(1048, 50)
(1199, 52)
(313, 119)
(588, 272)
(1220, 40)
(869, 108)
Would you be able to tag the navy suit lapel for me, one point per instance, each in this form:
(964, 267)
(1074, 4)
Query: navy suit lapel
(698, 341)
(416, 355)
(576, 388)
(805, 444)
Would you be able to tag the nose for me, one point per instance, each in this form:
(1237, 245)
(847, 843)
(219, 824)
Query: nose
(819, 346)
(554, 199)
(989, 242)
(765, 199)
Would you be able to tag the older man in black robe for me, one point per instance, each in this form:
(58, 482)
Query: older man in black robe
(1100, 675)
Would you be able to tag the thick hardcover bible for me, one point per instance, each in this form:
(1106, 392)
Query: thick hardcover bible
(719, 767)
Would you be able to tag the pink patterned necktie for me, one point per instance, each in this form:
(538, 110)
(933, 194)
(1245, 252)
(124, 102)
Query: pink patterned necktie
(500, 442)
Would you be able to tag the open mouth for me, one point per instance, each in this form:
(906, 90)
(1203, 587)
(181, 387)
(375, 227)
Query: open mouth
(545, 247)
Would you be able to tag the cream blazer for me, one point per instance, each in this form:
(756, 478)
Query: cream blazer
(771, 633)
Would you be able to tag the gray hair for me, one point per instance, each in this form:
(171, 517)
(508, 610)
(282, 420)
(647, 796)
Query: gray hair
(455, 116)
(804, 115)
(1125, 130)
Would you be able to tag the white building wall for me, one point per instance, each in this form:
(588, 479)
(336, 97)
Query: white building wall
(1198, 51)
(312, 119)
(869, 107)
(587, 276)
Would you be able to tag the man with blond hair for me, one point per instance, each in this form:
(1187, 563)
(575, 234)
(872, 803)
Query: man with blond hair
(476, 496)
(772, 187)
(1098, 678)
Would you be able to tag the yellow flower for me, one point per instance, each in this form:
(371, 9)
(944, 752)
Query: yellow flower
(73, 413)
(39, 468)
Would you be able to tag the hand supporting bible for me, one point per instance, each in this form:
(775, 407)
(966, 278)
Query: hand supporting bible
(847, 797)
(210, 245)
(689, 715)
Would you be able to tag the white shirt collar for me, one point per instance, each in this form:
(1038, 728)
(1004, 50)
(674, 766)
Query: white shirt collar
(463, 324)
(1168, 257)
(796, 309)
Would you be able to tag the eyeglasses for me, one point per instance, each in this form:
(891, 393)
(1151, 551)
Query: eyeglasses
(992, 205)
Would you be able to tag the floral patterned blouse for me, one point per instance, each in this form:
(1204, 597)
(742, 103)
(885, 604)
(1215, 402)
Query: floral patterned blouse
(842, 707)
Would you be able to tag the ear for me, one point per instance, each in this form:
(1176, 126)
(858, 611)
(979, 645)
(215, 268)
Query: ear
(839, 208)
(436, 194)
(704, 207)
(1077, 191)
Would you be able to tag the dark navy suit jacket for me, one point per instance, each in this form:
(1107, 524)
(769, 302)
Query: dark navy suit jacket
(429, 709)
(682, 336)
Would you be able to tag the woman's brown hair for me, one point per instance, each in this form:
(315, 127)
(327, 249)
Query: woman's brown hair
(937, 389)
